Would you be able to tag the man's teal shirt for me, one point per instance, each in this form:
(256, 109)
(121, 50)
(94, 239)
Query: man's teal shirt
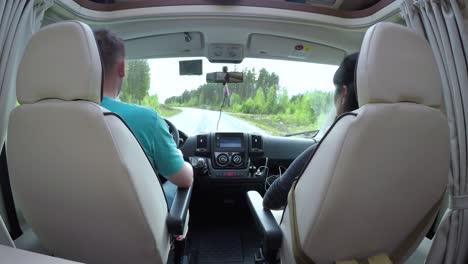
(152, 132)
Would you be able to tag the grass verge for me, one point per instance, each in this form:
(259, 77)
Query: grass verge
(273, 124)
(167, 111)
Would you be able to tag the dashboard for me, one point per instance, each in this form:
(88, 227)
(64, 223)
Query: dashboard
(237, 156)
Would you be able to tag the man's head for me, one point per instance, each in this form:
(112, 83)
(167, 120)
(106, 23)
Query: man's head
(112, 52)
(345, 85)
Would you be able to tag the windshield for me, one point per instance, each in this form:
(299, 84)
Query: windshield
(283, 98)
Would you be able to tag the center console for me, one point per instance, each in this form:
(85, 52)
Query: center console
(230, 151)
(226, 156)
(229, 158)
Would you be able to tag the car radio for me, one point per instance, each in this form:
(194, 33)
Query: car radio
(230, 151)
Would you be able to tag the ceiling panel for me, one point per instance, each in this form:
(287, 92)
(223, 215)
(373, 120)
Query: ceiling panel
(274, 47)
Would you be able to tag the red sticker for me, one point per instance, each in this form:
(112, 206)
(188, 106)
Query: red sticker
(299, 47)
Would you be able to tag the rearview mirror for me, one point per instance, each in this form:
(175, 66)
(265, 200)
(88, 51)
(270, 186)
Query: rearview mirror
(191, 67)
(228, 77)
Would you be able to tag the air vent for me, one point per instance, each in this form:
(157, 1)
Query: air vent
(202, 142)
(257, 143)
(237, 159)
(222, 159)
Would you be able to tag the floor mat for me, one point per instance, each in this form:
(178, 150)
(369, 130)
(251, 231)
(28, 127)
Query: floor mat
(221, 233)
(220, 247)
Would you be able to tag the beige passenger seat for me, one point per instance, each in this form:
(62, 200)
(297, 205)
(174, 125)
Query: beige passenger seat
(375, 183)
(9, 255)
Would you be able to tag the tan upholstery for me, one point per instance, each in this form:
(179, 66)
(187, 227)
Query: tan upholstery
(80, 177)
(10, 255)
(391, 72)
(380, 170)
(59, 63)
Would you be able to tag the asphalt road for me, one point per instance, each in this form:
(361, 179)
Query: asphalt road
(193, 121)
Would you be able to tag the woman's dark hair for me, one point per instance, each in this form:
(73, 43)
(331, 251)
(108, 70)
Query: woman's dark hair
(345, 75)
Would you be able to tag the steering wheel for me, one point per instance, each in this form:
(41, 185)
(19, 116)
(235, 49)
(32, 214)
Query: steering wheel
(174, 132)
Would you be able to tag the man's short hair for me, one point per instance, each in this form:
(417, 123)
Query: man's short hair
(111, 48)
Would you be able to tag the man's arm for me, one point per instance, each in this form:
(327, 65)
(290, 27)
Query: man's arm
(167, 158)
(183, 177)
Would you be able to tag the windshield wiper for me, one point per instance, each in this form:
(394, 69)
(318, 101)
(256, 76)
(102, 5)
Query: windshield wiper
(310, 133)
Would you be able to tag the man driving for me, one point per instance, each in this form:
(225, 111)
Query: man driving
(148, 127)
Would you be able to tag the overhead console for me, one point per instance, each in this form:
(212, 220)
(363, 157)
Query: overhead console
(229, 53)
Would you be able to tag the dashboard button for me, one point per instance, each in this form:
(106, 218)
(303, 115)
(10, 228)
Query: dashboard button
(201, 163)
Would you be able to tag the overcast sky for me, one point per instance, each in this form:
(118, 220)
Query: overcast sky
(297, 77)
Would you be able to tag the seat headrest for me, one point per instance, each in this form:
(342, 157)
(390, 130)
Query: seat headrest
(397, 65)
(61, 61)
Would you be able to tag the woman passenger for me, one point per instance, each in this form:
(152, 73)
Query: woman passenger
(345, 101)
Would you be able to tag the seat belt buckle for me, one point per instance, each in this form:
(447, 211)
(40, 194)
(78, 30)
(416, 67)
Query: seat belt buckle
(259, 257)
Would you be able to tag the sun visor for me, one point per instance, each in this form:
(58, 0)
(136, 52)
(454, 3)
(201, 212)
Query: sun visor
(275, 47)
(183, 44)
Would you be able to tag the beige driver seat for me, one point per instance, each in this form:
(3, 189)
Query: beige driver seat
(374, 184)
(79, 175)
(11, 255)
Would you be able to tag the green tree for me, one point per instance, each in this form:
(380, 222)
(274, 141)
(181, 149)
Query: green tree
(262, 80)
(212, 93)
(320, 101)
(136, 82)
(283, 100)
(271, 101)
(201, 97)
(247, 88)
(151, 101)
(235, 99)
(249, 107)
(259, 101)
(304, 114)
(237, 108)
(193, 101)
(266, 80)
(261, 94)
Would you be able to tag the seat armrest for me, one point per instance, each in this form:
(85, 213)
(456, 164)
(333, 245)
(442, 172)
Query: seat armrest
(269, 228)
(177, 217)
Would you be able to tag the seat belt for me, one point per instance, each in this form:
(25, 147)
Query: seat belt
(396, 257)
(299, 255)
(5, 238)
(7, 195)
(399, 253)
(443, 207)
